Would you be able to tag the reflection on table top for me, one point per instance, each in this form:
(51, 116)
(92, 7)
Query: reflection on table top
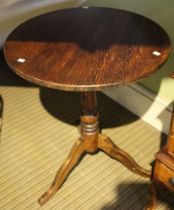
(84, 49)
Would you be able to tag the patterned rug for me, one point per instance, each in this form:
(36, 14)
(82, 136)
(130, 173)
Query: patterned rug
(39, 127)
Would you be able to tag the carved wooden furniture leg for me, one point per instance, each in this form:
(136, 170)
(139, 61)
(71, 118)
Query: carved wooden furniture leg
(90, 141)
(115, 152)
(63, 172)
(87, 143)
(152, 205)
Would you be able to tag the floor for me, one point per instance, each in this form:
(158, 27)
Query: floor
(39, 127)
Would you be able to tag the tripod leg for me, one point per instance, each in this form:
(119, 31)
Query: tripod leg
(105, 144)
(64, 171)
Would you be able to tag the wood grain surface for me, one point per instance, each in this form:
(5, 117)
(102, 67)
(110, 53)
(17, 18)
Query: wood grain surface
(84, 49)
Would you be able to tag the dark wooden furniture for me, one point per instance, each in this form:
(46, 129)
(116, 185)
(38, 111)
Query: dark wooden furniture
(163, 173)
(164, 168)
(87, 49)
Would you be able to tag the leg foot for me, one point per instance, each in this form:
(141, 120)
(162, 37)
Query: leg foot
(152, 205)
(64, 171)
(105, 144)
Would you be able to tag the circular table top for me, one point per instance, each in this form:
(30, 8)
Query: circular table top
(86, 49)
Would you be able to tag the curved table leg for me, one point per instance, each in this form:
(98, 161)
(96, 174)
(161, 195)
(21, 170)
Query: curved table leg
(64, 171)
(106, 144)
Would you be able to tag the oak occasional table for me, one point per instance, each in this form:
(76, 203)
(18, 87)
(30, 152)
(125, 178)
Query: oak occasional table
(87, 50)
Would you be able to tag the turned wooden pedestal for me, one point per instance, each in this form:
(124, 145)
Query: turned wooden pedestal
(90, 141)
(86, 50)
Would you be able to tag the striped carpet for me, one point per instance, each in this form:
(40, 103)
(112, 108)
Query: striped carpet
(39, 127)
